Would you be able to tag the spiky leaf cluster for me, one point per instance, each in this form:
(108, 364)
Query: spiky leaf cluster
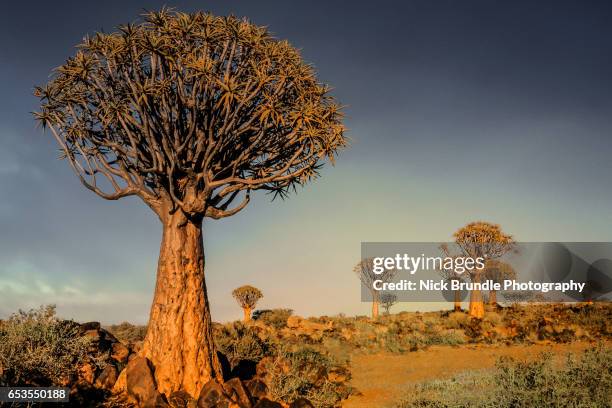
(191, 112)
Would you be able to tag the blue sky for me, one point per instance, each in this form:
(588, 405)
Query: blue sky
(456, 111)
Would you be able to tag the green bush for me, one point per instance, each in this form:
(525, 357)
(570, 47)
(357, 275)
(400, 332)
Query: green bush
(445, 337)
(238, 341)
(276, 318)
(303, 373)
(584, 382)
(38, 349)
(456, 320)
(328, 394)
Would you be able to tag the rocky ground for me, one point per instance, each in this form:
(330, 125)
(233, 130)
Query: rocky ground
(281, 360)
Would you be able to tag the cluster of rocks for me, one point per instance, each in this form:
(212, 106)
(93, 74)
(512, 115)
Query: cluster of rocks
(499, 325)
(549, 329)
(107, 358)
(139, 387)
(295, 327)
(545, 329)
(117, 374)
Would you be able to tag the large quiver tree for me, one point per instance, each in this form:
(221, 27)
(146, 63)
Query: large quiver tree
(189, 112)
(482, 240)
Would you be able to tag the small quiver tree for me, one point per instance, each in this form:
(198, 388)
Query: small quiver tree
(387, 300)
(247, 297)
(365, 272)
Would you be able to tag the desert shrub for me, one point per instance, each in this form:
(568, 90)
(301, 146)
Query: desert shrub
(457, 320)
(37, 348)
(445, 337)
(412, 342)
(303, 373)
(403, 333)
(595, 318)
(581, 382)
(363, 326)
(469, 389)
(432, 332)
(238, 341)
(494, 318)
(328, 394)
(276, 318)
(391, 342)
(473, 329)
(127, 332)
(337, 350)
(433, 322)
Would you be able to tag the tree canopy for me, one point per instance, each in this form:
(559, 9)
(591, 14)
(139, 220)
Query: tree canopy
(388, 299)
(498, 271)
(483, 239)
(365, 272)
(190, 112)
(247, 296)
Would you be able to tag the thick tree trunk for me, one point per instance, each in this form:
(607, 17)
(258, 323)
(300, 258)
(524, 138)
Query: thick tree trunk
(476, 303)
(179, 340)
(247, 314)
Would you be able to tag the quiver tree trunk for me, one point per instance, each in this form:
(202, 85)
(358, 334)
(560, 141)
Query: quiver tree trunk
(476, 303)
(247, 313)
(179, 340)
(375, 304)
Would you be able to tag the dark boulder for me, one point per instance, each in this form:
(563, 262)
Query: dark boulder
(89, 326)
(301, 403)
(266, 403)
(141, 385)
(180, 399)
(237, 393)
(256, 388)
(120, 352)
(107, 378)
(212, 395)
